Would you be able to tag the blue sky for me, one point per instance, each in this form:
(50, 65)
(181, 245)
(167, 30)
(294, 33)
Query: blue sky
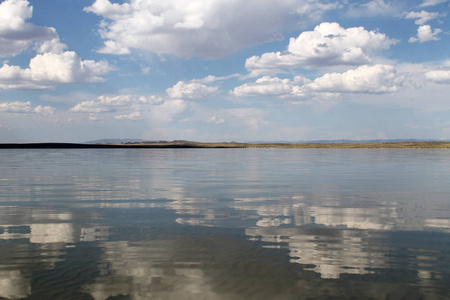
(224, 70)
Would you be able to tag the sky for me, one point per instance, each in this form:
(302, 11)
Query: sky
(224, 70)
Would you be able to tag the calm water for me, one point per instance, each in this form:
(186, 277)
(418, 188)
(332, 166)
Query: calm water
(224, 224)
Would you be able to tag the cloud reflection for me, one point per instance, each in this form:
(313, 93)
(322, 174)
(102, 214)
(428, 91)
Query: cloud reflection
(168, 227)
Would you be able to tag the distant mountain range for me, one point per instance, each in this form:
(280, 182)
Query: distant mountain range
(353, 141)
(118, 141)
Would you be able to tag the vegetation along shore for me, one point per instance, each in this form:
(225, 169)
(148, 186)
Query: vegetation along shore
(190, 144)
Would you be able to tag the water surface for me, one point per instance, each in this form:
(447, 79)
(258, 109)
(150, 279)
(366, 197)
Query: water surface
(224, 224)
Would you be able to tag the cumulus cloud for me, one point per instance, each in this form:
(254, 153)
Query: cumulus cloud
(212, 78)
(113, 103)
(422, 17)
(426, 34)
(192, 90)
(26, 108)
(199, 28)
(439, 76)
(132, 107)
(51, 46)
(377, 79)
(44, 110)
(327, 45)
(16, 34)
(269, 86)
(131, 116)
(47, 70)
(52, 65)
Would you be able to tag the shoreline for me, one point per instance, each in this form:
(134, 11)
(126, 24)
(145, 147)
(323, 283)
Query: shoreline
(186, 144)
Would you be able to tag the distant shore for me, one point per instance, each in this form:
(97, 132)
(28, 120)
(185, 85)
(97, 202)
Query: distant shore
(188, 144)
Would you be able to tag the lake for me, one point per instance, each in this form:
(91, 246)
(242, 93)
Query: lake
(224, 224)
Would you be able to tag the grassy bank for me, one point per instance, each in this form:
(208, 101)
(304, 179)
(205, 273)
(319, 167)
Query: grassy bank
(399, 145)
(188, 144)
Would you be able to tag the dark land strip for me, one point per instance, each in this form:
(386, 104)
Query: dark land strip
(188, 144)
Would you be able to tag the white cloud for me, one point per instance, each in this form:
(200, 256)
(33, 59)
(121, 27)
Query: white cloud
(52, 65)
(438, 76)
(131, 116)
(426, 34)
(272, 63)
(132, 107)
(422, 17)
(113, 47)
(16, 107)
(266, 86)
(112, 103)
(378, 79)
(26, 108)
(336, 40)
(199, 28)
(51, 46)
(47, 70)
(212, 78)
(16, 34)
(44, 110)
(191, 90)
(432, 2)
(328, 45)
